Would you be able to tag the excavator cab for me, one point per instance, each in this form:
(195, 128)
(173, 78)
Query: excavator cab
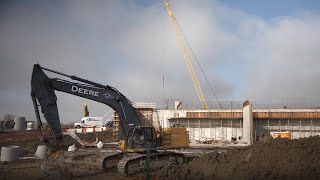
(138, 137)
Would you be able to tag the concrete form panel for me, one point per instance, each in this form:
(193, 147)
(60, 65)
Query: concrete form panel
(212, 129)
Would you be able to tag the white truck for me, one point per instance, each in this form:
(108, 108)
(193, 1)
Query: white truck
(89, 122)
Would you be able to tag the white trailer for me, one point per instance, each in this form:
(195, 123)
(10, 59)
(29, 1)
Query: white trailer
(89, 122)
(94, 121)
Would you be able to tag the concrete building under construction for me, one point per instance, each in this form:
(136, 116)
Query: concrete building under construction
(244, 125)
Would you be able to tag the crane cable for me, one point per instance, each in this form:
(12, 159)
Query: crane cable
(196, 59)
(187, 58)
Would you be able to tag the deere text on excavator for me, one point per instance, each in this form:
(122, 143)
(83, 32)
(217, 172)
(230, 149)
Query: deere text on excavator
(135, 138)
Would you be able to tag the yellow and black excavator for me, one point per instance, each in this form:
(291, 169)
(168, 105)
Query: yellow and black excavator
(135, 138)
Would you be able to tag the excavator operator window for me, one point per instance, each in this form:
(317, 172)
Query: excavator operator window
(138, 137)
(149, 134)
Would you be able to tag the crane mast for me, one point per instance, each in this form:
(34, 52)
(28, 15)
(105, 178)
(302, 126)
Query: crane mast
(186, 56)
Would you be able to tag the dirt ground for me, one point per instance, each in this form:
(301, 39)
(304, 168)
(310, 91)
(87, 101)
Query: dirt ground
(29, 140)
(81, 164)
(272, 159)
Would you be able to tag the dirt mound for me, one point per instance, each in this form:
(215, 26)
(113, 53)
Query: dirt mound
(274, 159)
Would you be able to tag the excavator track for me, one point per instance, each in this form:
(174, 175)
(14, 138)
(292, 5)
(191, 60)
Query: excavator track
(135, 163)
(134, 160)
(110, 161)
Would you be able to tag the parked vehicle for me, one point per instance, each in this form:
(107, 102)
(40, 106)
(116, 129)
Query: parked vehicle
(89, 122)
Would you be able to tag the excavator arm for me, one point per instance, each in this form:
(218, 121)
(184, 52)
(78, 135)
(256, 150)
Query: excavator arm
(43, 90)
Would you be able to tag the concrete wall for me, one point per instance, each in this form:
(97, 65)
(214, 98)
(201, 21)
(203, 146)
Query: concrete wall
(211, 129)
(163, 116)
(217, 124)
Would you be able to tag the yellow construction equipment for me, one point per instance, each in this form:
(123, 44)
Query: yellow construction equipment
(285, 134)
(181, 41)
(175, 137)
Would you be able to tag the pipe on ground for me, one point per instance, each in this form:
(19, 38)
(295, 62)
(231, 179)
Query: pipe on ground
(10, 153)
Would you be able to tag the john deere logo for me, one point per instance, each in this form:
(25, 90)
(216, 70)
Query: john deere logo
(107, 96)
(84, 91)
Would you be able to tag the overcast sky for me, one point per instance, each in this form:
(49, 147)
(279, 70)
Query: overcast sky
(265, 51)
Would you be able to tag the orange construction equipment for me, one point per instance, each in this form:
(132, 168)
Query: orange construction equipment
(285, 134)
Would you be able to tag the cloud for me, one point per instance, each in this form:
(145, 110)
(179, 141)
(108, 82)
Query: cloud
(131, 46)
(288, 59)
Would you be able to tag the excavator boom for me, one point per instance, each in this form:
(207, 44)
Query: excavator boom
(43, 89)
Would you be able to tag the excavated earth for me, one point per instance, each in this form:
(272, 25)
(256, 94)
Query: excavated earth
(81, 164)
(268, 159)
(29, 140)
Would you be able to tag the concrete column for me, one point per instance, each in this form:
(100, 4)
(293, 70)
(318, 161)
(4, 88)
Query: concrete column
(241, 128)
(222, 137)
(311, 128)
(247, 122)
(300, 128)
